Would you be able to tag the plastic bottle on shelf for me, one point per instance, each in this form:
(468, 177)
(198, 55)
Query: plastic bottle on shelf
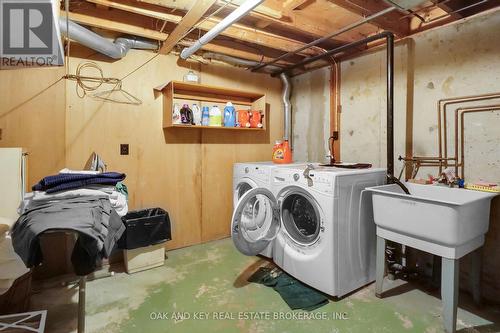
(229, 115)
(196, 114)
(176, 114)
(205, 116)
(186, 115)
(215, 116)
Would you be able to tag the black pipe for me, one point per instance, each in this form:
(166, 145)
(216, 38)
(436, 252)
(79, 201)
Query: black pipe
(390, 105)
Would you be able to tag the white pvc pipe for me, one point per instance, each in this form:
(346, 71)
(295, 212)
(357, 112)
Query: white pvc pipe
(237, 14)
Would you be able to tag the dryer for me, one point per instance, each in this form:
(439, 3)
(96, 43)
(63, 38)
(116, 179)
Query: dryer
(320, 223)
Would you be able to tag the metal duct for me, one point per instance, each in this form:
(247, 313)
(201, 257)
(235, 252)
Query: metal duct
(284, 78)
(287, 106)
(237, 14)
(116, 50)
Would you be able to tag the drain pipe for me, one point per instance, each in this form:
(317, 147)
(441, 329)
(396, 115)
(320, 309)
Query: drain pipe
(237, 14)
(116, 50)
(287, 87)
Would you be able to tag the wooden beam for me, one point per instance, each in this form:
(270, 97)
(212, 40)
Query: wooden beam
(92, 20)
(233, 52)
(194, 14)
(392, 21)
(290, 5)
(236, 31)
(133, 7)
(295, 21)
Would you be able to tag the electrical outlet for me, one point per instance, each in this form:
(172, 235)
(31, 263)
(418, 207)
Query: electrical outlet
(124, 149)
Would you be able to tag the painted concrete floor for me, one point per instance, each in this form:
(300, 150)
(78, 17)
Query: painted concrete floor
(204, 288)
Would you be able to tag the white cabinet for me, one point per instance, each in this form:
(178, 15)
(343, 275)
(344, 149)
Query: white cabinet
(12, 181)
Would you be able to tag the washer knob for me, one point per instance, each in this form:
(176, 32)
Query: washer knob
(296, 176)
(247, 170)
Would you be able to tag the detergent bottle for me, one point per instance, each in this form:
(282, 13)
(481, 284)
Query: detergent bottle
(205, 116)
(176, 114)
(186, 115)
(229, 115)
(196, 114)
(243, 118)
(282, 154)
(256, 119)
(215, 116)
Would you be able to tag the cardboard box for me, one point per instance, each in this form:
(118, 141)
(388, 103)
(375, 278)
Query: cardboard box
(144, 258)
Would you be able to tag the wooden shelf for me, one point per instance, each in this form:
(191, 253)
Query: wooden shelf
(218, 128)
(205, 95)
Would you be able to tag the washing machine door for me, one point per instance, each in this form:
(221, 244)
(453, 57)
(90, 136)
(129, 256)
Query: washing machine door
(244, 185)
(255, 222)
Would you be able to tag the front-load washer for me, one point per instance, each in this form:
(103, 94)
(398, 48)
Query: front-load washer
(251, 175)
(319, 222)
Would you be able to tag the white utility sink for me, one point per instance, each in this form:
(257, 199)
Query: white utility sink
(449, 222)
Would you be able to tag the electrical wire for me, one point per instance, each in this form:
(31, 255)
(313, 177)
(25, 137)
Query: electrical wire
(86, 84)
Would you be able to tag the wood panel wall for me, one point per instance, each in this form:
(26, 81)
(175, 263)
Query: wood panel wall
(188, 172)
(32, 116)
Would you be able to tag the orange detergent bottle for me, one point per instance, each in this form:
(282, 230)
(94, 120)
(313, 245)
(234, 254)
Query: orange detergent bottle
(282, 154)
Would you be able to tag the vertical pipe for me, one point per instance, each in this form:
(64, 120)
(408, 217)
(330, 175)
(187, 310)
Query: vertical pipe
(390, 105)
(287, 106)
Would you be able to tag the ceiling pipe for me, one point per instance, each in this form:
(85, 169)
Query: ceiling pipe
(237, 14)
(116, 50)
(235, 61)
(327, 37)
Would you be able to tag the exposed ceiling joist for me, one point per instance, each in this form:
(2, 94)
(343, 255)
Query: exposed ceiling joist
(133, 7)
(392, 21)
(192, 17)
(114, 25)
(271, 18)
(290, 5)
(236, 31)
(233, 52)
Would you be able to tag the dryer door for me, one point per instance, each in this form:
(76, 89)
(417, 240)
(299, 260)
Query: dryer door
(255, 222)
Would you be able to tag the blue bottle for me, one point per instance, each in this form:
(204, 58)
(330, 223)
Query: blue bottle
(205, 116)
(229, 115)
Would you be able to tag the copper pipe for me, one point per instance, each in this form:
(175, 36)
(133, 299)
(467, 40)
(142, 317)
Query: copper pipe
(441, 106)
(487, 108)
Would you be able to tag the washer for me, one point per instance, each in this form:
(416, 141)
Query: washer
(251, 175)
(320, 224)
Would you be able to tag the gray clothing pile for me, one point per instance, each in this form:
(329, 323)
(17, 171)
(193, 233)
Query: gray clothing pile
(97, 223)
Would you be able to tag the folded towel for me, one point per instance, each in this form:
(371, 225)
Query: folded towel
(68, 181)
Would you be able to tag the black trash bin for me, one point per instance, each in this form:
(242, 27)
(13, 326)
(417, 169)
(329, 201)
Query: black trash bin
(145, 227)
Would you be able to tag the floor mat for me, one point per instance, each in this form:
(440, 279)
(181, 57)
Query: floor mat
(296, 294)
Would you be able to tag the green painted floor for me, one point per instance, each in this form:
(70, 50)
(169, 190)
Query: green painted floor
(203, 289)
